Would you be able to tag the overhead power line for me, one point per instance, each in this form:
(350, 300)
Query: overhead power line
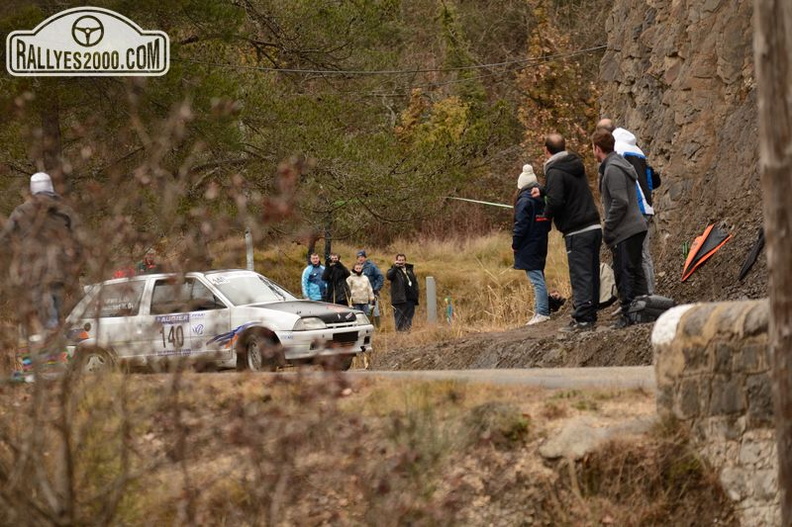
(529, 60)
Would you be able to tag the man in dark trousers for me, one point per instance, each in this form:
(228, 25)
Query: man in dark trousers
(570, 204)
(43, 239)
(404, 292)
(335, 275)
(648, 180)
(625, 226)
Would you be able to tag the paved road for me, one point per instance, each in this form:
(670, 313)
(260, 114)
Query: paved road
(615, 377)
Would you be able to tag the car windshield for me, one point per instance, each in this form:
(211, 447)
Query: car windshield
(243, 288)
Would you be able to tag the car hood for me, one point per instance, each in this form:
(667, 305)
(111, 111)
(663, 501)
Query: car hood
(328, 313)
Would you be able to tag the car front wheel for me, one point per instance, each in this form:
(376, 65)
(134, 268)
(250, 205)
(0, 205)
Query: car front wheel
(258, 352)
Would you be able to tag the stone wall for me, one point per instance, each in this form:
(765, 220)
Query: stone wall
(712, 369)
(679, 74)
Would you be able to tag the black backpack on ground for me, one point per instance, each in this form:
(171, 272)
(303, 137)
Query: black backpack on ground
(648, 308)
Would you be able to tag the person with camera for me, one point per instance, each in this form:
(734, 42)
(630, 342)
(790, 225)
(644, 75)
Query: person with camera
(335, 275)
(404, 292)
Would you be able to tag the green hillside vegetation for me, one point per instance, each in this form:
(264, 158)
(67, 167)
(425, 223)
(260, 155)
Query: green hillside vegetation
(380, 109)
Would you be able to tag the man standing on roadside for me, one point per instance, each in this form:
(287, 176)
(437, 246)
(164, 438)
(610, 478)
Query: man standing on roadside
(625, 227)
(626, 146)
(570, 204)
(313, 287)
(404, 292)
(43, 238)
(335, 275)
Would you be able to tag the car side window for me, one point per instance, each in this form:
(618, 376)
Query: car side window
(119, 300)
(181, 297)
(202, 298)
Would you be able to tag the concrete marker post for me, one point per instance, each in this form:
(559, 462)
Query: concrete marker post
(431, 300)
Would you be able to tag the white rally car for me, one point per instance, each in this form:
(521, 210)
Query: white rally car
(231, 319)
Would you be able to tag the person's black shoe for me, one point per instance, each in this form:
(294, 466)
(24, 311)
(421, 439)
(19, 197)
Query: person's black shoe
(621, 323)
(555, 301)
(578, 327)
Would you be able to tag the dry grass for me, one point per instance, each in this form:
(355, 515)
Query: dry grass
(474, 274)
(230, 449)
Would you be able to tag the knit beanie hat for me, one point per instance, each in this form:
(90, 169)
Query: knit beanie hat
(40, 182)
(526, 178)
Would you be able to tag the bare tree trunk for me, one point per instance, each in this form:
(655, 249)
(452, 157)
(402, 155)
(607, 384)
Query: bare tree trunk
(50, 155)
(773, 58)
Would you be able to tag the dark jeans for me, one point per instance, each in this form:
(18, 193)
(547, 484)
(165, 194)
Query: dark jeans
(403, 315)
(628, 270)
(583, 257)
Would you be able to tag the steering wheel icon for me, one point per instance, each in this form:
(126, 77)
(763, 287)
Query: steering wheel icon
(87, 31)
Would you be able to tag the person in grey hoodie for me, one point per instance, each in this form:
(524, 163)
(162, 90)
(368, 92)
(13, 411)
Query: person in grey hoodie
(627, 147)
(624, 228)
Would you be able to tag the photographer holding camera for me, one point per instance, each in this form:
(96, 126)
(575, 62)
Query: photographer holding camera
(404, 292)
(335, 275)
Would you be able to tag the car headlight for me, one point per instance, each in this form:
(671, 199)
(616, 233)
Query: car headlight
(362, 319)
(308, 323)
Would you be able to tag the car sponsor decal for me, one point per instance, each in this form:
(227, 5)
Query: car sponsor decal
(180, 318)
(172, 333)
(228, 339)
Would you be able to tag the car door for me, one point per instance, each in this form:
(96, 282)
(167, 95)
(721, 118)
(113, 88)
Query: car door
(115, 309)
(182, 313)
(209, 317)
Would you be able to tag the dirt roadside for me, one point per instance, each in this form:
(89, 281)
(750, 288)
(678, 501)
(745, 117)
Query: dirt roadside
(539, 346)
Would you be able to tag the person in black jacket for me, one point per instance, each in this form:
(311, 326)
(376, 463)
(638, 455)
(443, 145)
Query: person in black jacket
(529, 242)
(335, 275)
(570, 204)
(404, 292)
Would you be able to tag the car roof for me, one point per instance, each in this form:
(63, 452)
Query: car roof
(142, 277)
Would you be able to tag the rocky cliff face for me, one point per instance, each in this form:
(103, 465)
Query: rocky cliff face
(679, 74)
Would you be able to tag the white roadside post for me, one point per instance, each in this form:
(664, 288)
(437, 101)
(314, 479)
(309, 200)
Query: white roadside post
(431, 300)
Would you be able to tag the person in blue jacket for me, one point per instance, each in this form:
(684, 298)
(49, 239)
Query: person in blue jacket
(377, 279)
(313, 287)
(529, 241)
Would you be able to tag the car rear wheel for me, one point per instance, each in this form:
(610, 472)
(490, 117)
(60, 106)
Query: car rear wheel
(94, 360)
(258, 352)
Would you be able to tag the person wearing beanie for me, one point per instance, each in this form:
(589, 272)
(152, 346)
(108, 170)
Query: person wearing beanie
(41, 183)
(377, 279)
(529, 241)
(46, 250)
